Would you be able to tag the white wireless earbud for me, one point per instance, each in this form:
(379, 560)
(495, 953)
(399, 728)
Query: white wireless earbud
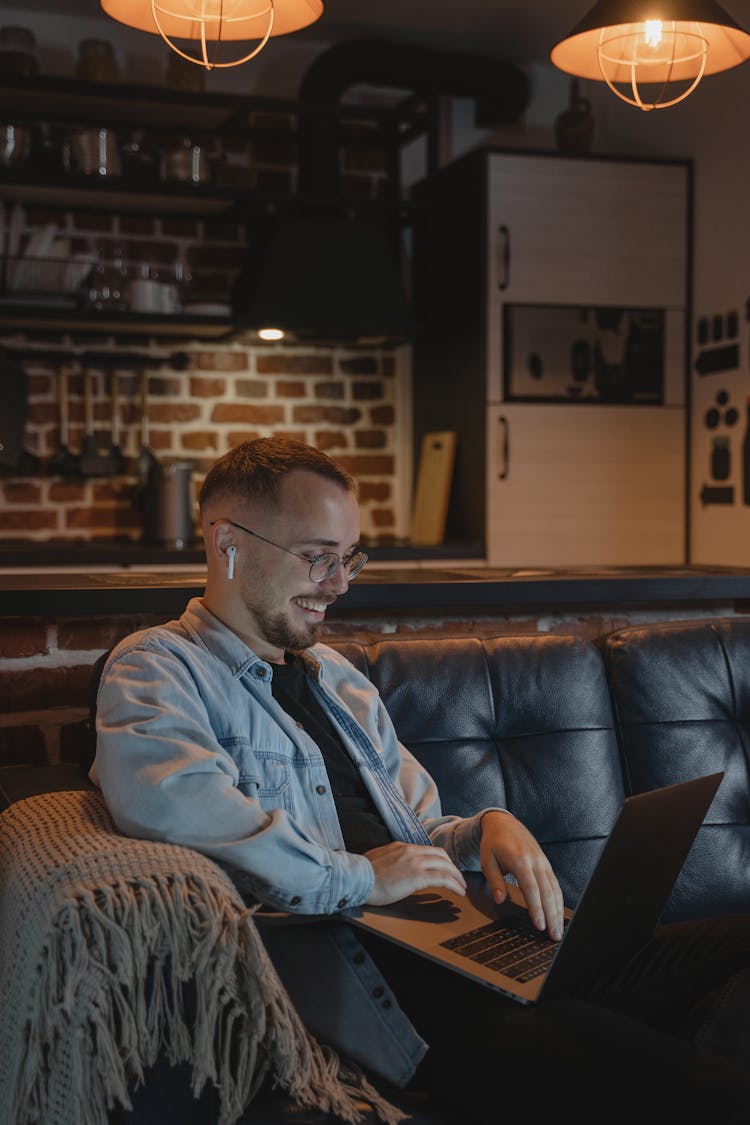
(231, 552)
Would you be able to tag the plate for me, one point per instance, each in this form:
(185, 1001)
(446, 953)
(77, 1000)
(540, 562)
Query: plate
(207, 308)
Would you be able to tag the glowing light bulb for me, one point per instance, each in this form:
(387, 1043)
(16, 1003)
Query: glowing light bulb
(652, 33)
(271, 334)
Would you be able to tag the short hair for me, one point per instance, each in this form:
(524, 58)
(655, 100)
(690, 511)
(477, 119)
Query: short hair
(254, 469)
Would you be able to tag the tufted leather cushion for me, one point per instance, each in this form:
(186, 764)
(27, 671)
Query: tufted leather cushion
(524, 722)
(681, 694)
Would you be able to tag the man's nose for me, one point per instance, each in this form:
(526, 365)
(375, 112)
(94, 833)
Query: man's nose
(339, 580)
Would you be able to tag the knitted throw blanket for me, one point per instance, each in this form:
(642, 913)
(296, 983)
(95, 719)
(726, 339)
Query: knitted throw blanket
(97, 930)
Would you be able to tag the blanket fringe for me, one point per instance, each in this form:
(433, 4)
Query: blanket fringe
(112, 978)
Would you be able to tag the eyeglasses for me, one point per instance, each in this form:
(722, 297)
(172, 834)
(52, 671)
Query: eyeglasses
(321, 566)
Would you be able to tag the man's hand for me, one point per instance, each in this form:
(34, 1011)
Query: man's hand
(401, 869)
(508, 847)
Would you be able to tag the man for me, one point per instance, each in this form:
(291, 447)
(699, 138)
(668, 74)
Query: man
(233, 732)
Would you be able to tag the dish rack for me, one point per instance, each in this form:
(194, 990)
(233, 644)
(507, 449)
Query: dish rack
(50, 281)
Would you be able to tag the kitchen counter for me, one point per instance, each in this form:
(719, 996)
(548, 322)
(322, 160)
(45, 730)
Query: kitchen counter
(43, 591)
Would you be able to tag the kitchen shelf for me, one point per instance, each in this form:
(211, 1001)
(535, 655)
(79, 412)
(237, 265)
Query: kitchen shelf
(61, 104)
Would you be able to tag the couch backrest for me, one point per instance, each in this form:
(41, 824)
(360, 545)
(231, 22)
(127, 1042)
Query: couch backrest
(560, 730)
(681, 696)
(524, 722)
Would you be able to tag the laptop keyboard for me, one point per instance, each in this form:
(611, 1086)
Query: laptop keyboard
(516, 950)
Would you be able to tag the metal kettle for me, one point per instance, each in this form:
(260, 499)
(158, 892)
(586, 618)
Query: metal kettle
(168, 504)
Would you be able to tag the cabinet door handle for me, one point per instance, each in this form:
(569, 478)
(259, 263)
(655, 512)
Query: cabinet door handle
(503, 257)
(503, 445)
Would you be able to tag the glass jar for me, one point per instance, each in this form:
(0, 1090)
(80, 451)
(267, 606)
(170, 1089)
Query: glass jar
(18, 52)
(96, 61)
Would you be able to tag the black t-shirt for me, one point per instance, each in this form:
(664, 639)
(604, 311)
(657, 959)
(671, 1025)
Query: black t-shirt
(361, 824)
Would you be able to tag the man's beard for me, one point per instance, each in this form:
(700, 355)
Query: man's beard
(279, 631)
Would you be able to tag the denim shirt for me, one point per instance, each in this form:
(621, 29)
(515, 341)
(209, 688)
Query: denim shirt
(193, 749)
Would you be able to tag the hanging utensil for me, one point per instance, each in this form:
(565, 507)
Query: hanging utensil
(116, 455)
(63, 462)
(92, 462)
(147, 462)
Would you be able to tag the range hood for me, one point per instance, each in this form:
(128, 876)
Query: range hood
(324, 280)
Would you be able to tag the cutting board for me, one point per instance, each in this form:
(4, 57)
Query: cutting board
(434, 478)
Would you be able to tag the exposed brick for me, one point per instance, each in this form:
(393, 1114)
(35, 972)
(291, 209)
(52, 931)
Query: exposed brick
(23, 636)
(41, 413)
(207, 388)
(359, 365)
(240, 412)
(219, 361)
(382, 517)
(329, 390)
(291, 435)
(374, 490)
(331, 439)
(85, 634)
(22, 745)
(42, 687)
(37, 215)
(173, 411)
(277, 363)
(236, 437)
(178, 226)
(21, 492)
(160, 440)
(251, 388)
(155, 251)
(368, 390)
(28, 519)
(137, 224)
(199, 439)
(223, 230)
(98, 515)
(388, 367)
(370, 439)
(288, 388)
(161, 386)
(38, 385)
(335, 415)
(383, 415)
(374, 465)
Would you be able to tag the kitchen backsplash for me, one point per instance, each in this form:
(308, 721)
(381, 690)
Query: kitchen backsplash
(343, 401)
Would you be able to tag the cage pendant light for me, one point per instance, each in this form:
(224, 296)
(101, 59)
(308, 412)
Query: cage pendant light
(652, 53)
(209, 25)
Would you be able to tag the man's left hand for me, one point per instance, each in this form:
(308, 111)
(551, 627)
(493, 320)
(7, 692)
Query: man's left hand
(509, 848)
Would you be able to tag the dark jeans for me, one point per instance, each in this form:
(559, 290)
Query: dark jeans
(641, 1046)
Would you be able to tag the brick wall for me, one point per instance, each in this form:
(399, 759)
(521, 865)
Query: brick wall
(342, 402)
(46, 664)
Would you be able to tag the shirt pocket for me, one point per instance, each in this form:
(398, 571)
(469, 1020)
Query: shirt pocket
(265, 777)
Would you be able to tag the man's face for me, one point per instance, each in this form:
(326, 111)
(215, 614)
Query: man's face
(284, 609)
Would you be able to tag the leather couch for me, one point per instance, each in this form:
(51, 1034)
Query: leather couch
(560, 730)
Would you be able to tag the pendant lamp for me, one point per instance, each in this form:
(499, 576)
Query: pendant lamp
(211, 24)
(652, 53)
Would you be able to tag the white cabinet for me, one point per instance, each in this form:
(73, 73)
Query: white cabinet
(510, 249)
(587, 233)
(585, 485)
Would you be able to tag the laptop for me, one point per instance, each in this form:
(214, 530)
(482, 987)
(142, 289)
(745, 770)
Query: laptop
(620, 906)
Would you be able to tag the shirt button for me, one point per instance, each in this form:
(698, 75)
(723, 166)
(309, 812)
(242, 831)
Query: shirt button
(295, 901)
(341, 904)
(359, 958)
(378, 992)
(259, 672)
(387, 1004)
(320, 789)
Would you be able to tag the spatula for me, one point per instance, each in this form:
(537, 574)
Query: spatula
(92, 462)
(146, 459)
(63, 462)
(117, 457)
